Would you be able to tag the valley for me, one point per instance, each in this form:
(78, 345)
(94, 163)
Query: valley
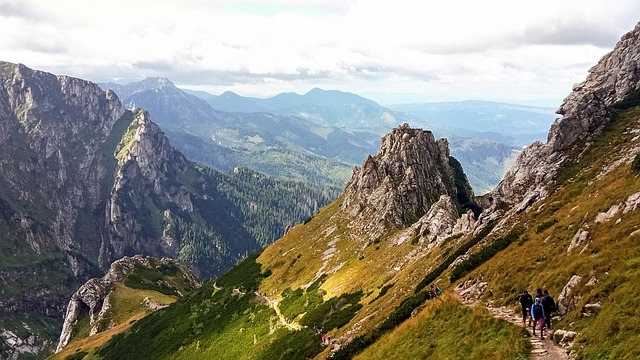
(265, 240)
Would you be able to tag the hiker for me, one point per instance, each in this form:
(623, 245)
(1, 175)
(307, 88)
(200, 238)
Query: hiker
(549, 306)
(432, 292)
(525, 301)
(438, 291)
(324, 339)
(537, 313)
(538, 293)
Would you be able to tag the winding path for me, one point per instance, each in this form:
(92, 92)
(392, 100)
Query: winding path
(275, 305)
(542, 349)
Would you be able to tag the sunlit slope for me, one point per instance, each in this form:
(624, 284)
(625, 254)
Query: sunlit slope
(607, 262)
(326, 274)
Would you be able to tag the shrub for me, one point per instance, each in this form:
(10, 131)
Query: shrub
(635, 165)
(545, 225)
(433, 274)
(479, 258)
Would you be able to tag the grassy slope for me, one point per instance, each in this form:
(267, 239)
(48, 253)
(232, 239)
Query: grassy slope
(538, 257)
(612, 257)
(446, 329)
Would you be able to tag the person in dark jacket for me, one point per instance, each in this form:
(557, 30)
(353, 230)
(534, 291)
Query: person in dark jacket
(525, 301)
(549, 306)
(539, 293)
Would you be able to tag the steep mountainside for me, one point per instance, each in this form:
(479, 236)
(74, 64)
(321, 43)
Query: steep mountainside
(132, 288)
(333, 271)
(586, 112)
(84, 182)
(565, 218)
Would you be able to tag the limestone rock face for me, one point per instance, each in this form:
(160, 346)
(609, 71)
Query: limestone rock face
(579, 239)
(94, 295)
(568, 298)
(585, 113)
(149, 160)
(399, 185)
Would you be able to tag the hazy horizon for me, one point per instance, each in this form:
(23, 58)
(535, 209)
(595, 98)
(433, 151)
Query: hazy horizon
(407, 51)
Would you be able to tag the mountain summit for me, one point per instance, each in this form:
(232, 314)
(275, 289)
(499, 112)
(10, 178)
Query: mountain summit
(585, 113)
(410, 173)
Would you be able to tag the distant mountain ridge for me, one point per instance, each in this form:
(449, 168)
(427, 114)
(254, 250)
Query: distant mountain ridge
(286, 146)
(484, 136)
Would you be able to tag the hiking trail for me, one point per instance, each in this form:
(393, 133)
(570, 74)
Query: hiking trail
(274, 304)
(542, 349)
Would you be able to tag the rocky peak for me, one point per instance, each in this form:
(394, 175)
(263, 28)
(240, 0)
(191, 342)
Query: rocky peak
(94, 296)
(586, 111)
(398, 185)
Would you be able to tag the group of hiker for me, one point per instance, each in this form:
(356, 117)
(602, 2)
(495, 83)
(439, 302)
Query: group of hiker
(539, 310)
(434, 292)
(326, 339)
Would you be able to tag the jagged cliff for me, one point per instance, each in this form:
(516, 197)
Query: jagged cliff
(97, 296)
(585, 112)
(410, 173)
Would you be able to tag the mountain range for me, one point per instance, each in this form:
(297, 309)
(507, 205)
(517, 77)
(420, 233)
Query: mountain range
(354, 280)
(320, 135)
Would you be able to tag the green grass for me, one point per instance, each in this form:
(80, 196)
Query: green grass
(227, 320)
(446, 329)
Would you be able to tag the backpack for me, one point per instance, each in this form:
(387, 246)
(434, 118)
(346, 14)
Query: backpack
(537, 311)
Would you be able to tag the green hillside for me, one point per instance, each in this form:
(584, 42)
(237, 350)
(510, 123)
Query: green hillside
(321, 274)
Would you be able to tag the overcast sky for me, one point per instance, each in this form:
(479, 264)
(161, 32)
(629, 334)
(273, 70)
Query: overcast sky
(528, 52)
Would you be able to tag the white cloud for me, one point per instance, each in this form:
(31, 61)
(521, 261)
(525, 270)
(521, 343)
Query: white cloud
(454, 48)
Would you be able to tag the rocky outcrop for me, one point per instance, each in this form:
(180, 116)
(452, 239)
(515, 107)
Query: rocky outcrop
(93, 298)
(564, 338)
(581, 238)
(401, 183)
(439, 223)
(585, 113)
(569, 297)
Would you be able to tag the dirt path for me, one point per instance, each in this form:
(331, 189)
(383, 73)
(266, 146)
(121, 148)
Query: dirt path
(543, 349)
(275, 305)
